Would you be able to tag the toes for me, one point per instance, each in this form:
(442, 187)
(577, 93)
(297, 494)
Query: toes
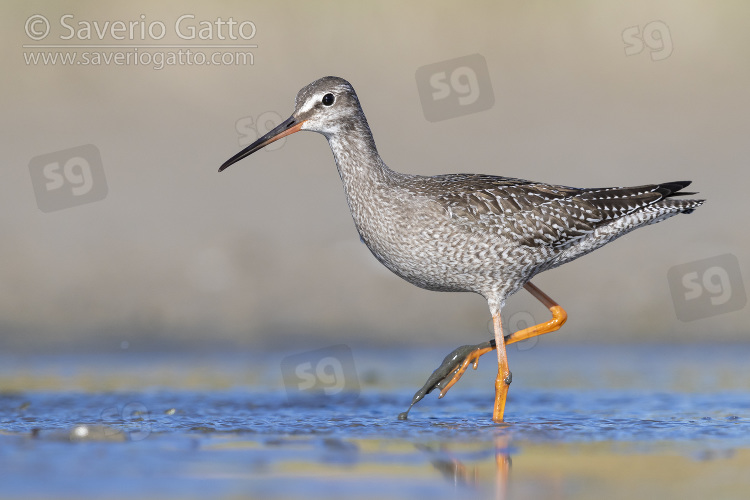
(447, 370)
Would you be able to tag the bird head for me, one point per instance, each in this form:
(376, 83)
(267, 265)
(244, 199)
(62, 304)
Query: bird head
(326, 106)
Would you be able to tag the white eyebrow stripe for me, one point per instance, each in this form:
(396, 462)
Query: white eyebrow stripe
(311, 102)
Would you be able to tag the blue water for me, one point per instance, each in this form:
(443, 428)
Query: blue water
(564, 415)
(254, 440)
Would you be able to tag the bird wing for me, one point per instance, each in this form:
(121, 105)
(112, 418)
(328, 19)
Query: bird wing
(537, 214)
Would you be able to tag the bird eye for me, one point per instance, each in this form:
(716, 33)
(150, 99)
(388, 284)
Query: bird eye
(328, 99)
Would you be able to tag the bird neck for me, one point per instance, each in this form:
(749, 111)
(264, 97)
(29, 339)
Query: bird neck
(360, 167)
(356, 156)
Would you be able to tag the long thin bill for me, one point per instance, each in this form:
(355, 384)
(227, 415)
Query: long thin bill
(285, 128)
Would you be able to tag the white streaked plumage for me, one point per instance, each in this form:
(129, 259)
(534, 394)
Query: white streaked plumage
(467, 232)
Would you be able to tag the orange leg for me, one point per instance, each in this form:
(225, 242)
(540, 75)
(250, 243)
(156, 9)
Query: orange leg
(559, 316)
(504, 377)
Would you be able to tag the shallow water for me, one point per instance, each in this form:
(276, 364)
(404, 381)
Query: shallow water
(581, 422)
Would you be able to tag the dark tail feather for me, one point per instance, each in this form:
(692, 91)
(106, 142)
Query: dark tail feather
(673, 189)
(681, 193)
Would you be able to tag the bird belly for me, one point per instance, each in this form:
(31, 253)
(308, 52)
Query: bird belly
(436, 254)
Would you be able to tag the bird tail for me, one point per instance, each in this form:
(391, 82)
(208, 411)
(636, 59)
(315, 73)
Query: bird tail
(675, 189)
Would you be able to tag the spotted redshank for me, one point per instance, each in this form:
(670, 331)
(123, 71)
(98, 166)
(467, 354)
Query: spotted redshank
(468, 232)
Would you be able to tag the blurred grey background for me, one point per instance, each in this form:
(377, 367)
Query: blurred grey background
(175, 255)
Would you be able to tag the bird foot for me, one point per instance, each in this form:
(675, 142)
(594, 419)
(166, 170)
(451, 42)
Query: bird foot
(450, 371)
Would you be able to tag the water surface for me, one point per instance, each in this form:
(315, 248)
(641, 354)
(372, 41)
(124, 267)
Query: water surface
(582, 422)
